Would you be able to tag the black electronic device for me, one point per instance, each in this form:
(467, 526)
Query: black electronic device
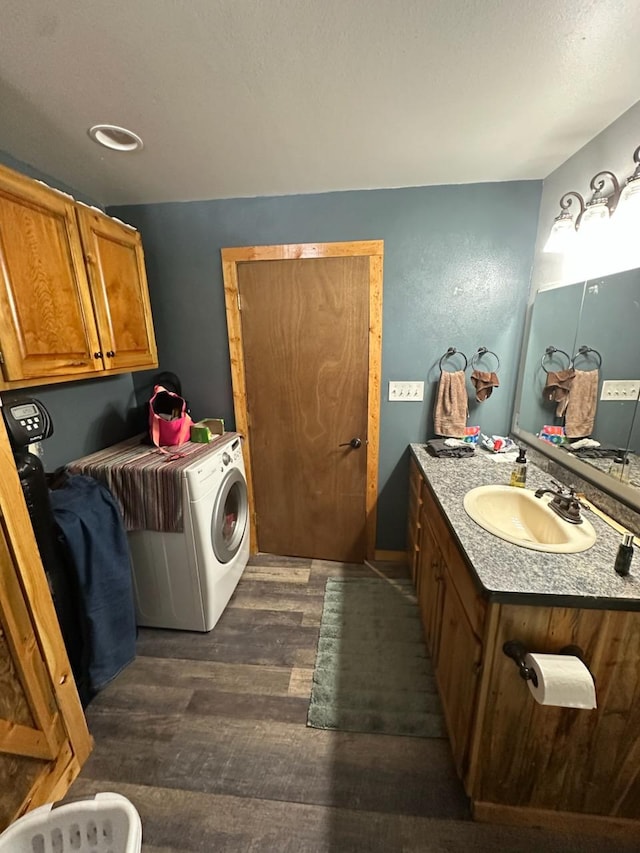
(27, 421)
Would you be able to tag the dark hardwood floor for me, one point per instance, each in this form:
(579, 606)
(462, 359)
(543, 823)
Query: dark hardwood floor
(206, 734)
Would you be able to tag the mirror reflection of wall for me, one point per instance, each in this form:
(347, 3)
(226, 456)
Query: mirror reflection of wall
(554, 322)
(603, 315)
(610, 324)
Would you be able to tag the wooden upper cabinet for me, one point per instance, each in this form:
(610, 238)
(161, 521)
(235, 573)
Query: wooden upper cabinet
(115, 266)
(47, 325)
(74, 301)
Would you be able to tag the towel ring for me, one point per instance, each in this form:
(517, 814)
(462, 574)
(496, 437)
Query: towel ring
(482, 351)
(450, 352)
(585, 350)
(551, 351)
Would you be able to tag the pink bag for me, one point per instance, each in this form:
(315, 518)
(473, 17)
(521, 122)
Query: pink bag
(169, 421)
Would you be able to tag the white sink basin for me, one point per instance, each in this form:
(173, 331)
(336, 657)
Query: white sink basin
(517, 516)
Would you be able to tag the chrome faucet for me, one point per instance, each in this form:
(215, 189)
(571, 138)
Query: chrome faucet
(564, 502)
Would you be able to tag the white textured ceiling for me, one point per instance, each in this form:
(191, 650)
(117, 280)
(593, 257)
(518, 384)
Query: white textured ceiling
(271, 97)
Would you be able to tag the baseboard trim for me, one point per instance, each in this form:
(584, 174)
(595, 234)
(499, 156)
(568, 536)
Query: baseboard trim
(391, 556)
(573, 822)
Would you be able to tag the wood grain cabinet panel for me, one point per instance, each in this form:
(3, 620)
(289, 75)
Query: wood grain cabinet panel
(44, 739)
(457, 671)
(115, 265)
(47, 325)
(74, 300)
(429, 586)
(416, 484)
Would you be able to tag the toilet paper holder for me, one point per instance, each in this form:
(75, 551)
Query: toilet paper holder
(516, 650)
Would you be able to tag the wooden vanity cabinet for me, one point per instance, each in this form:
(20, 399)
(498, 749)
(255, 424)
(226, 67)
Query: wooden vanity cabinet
(523, 763)
(73, 291)
(452, 614)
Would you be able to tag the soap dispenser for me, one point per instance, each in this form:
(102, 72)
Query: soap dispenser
(622, 564)
(519, 472)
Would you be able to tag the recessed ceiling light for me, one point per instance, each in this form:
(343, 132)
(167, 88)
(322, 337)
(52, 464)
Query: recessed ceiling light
(116, 138)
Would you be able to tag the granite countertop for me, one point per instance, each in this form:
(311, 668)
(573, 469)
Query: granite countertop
(511, 573)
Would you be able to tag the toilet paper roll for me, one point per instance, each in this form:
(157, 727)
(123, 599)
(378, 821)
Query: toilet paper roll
(563, 680)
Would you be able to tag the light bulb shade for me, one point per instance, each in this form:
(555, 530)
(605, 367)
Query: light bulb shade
(627, 213)
(594, 224)
(561, 236)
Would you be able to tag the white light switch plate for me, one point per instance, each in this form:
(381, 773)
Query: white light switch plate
(620, 389)
(407, 392)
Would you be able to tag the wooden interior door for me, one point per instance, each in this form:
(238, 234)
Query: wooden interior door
(47, 327)
(115, 263)
(307, 390)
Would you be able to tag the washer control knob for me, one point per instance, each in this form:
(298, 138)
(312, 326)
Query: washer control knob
(226, 459)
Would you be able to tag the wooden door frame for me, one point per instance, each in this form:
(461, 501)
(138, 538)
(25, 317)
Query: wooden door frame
(372, 249)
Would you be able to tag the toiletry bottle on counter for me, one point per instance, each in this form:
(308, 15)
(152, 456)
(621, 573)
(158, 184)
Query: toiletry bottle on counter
(519, 472)
(622, 564)
(620, 467)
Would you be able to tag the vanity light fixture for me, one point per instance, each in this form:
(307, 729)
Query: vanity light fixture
(116, 138)
(598, 210)
(563, 230)
(629, 202)
(593, 220)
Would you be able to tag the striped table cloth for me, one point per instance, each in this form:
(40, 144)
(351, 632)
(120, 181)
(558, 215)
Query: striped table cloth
(146, 482)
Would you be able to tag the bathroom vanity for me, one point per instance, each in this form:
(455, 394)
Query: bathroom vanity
(522, 762)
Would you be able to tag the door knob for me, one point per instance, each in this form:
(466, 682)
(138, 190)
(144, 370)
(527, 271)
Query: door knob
(97, 354)
(355, 443)
(110, 354)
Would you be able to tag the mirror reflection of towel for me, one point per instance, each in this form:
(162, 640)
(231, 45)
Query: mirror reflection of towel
(484, 383)
(583, 402)
(557, 388)
(451, 408)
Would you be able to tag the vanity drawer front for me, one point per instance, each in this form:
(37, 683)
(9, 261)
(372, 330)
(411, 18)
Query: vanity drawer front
(459, 571)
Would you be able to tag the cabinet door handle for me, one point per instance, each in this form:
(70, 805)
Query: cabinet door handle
(97, 354)
(110, 354)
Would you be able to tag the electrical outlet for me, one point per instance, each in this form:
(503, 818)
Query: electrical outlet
(620, 389)
(409, 392)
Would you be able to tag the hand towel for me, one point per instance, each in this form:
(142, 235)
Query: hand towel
(557, 388)
(581, 408)
(484, 383)
(438, 447)
(450, 411)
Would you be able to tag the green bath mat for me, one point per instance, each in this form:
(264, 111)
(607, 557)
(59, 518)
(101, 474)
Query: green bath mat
(372, 672)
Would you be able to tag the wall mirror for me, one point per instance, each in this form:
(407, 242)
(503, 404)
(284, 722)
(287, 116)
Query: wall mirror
(602, 317)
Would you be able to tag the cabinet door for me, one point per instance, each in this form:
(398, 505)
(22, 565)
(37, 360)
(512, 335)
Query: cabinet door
(429, 589)
(413, 522)
(457, 671)
(43, 735)
(115, 264)
(47, 326)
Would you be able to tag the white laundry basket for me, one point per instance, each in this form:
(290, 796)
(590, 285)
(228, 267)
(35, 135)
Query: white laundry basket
(108, 823)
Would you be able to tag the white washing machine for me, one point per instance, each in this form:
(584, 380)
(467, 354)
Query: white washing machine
(185, 580)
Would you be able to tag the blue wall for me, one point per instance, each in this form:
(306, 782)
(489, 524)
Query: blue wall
(456, 273)
(87, 415)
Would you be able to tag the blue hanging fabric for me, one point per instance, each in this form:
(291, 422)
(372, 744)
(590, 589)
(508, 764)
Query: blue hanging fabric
(90, 522)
